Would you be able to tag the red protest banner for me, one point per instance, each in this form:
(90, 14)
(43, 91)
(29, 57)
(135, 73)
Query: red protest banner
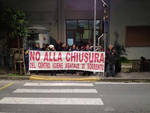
(77, 60)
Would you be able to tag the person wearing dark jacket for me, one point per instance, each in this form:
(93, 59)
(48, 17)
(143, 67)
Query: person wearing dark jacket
(111, 57)
(64, 47)
(87, 48)
(37, 47)
(59, 45)
(44, 47)
(143, 64)
(74, 48)
(26, 57)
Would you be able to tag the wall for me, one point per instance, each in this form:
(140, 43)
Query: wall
(53, 13)
(43, 13)
(129, 13)
(82, 9)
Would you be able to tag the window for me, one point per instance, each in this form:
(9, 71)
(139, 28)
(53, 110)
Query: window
(138, 36)
(82, 30)
(83, 24)
(71, 24)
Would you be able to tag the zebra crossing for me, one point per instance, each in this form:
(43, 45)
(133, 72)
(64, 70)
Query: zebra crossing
(35, 88)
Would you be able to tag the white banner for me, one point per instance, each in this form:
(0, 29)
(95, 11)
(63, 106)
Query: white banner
(76, 60)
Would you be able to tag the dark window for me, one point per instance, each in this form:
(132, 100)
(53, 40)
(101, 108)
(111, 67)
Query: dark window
(138, 36)
(71, 24)
(83, 24)
(82, 30)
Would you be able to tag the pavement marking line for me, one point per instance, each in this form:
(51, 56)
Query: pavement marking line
(55, 91)
(58, 84)
(52, 101)
(5, 86)
(120, 83)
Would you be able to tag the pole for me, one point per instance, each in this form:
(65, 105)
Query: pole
(94, 44)
(104, 19)
(104, 42)
(105, 16)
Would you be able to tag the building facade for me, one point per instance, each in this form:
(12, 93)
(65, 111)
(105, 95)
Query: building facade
(72, 20)
(130, 25)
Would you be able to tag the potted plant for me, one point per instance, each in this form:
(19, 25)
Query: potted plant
(123, 63)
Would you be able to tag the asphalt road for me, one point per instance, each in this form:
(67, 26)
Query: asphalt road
(73, 97)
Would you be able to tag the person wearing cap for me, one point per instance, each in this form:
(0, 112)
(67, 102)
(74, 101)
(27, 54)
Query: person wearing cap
(50, 48)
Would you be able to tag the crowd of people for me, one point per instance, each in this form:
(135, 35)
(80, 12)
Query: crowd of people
(59, 46)
(63, 47)
(112, 58)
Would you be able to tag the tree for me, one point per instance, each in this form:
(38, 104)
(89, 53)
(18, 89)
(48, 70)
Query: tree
(13, 26)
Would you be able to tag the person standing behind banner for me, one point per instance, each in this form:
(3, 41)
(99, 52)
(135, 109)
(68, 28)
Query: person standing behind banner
(111, 57)
(74, 48)
(44, 47)
(64, 47)
(52, 48)
(37, 47)
(58, 46)
(87, 48)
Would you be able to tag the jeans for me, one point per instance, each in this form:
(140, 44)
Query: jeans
(110, 69)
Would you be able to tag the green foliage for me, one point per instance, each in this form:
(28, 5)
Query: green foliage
(124, 60)
(12, 74)
(13, 24)
(119, 48)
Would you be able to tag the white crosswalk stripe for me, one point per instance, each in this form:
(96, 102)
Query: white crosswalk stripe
(52, 101)
(58, 84)
(62, 88)
(55, 91)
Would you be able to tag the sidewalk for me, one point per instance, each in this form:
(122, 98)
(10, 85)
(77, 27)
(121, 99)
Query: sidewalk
(129, 77)
(120, 77)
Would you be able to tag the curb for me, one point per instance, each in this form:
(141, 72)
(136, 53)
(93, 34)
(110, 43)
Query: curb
(34, 77)
(15, 77)
(48, 78)
(125, 80)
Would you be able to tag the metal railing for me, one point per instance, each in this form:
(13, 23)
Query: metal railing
(100, 42)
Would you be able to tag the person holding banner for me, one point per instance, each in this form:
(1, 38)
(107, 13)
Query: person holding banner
(26, 57)
(52, 48)
(87, 48)
(37, 48)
